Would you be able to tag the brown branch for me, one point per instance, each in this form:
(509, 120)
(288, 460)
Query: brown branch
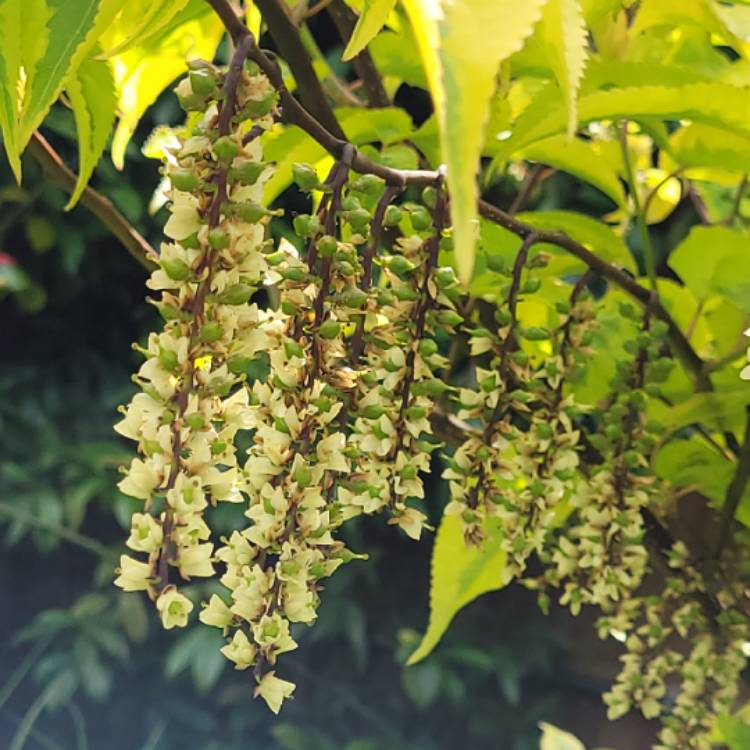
(734, 493)
(57, 171)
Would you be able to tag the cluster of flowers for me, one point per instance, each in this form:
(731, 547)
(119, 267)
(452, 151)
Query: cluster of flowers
(342, 370)
(345, 373)
(707, 667)
(519, 467)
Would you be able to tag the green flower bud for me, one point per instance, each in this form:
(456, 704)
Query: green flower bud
(428, 347)
(218, 446)
(250, 211)
(350, 203)
(294, 273)
(359, 219)
(237, 294)
(259, 107)
(400, 265)
(151, 447)
(305, 177)
(355, 298)
(211, 332)
(434, 387)
(449, 318)
(225, 148)
(413, 413)
(346, 268)
(289, 308)
(445, 276)
(191, 242)
(168, 359)
(535, 333)
(446, 244)
(327, 246)
(405, 293)
(176, 268)
(329, 329)
(322, 404)
(195, 421)
(392, 216)
(168, 312)
(191, 102)
(218, 238)
(421, 218)
(532, 285)
(238, 365)
(303, 477)
(520, 357)
(184, 179)
(293, 349)
(496, 263)
(306, 225)
(203, 81)
(429, 197)
(563, 307)
(373, 411)
(280, 425)
(248, 172)
(409, 472)
(369, 184)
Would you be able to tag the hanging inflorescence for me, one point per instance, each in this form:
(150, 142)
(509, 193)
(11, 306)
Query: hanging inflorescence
(330, 357)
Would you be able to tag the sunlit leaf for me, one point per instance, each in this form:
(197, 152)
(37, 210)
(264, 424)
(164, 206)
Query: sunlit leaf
(143, 72)
(708, 261)
(91, 90)
(372, 19)
(557, 739)
(72, 29)
(564, 35)
(711, 103)
(581, 158)
(138, 28)
(462, 44)
(459, 575)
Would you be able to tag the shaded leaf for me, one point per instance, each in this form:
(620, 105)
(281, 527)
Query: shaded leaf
(459, 575)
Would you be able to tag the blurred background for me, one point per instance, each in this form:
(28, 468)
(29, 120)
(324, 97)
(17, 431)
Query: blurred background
(84, 666)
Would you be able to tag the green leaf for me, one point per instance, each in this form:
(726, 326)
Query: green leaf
(593, 234)
(695, 465)
(697, 145)
(72, 30)
(23, 38)
(372, 19)
(139, 28)
(564, 36)
(583, 159)
(143, 72)
(387, 124)
(462, 44)
(717, 104)
(556, 739)
(735, 732)
(91, 90)
(708, 261)
(459, 575)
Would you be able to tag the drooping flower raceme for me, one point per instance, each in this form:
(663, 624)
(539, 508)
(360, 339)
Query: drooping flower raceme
(188, 411)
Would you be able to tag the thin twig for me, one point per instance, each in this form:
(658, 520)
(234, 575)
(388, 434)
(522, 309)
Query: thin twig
(734, 493)
(54, 168)
(640, 215)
